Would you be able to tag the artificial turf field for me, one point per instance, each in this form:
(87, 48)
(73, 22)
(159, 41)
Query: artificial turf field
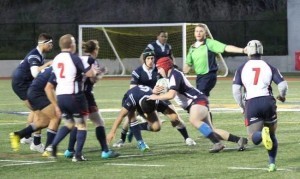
(169, 157)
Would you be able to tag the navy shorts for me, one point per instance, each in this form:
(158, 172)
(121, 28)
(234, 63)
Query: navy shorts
(205, 83)
(20, 87)
(37, 100)
(73, 104)
(260, 109)
(92, 105)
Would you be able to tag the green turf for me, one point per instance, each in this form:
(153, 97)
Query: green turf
(169, 157)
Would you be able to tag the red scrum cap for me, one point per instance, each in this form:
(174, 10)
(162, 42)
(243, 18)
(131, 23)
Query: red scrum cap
(166, 63)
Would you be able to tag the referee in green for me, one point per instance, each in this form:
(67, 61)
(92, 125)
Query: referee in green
(202, 56)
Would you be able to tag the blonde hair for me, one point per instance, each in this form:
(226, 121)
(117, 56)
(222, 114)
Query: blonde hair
(66, 41)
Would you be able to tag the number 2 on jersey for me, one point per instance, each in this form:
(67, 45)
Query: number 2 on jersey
(62, 68)
(257, 72)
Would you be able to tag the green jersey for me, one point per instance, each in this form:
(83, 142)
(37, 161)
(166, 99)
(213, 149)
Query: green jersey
(203, 57)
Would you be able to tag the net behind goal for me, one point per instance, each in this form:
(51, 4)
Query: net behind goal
(121, 45)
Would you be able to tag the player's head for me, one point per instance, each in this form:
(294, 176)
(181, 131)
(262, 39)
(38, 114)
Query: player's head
(162, 37)
(200, 32)
(91, 47)
(148, 57)
(164, 64)
(45, 42)
(254, 48)
(67, 43)
(147, 106)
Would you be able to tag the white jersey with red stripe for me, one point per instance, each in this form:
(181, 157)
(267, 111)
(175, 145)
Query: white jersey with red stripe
(68, 69)
(256, 76)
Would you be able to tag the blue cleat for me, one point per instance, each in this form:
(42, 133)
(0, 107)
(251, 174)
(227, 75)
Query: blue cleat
(68, 154)
(109, 154)
(143, 146)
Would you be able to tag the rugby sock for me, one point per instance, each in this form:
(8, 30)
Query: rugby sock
(81, 136)
(50, 136)
(123, 134)
(61, 134)
(233, 138)
(101, 136)
(273, 152)
(72, 139)
(135, 129)
(37, 139)
(25, 132)
(184, 133)
(208, 133)
(256, 137)
(144, 126)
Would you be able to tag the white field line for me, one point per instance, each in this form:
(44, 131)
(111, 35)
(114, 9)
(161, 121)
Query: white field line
(180, 109)
(23, 162)
(135, 165)
(141, 155)
(253, 168)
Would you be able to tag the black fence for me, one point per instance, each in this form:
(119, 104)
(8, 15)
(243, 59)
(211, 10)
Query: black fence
(17, 39)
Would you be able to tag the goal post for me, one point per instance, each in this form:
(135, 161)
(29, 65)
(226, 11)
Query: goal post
(122, 44)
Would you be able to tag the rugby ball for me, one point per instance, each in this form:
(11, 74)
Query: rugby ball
(163, 82)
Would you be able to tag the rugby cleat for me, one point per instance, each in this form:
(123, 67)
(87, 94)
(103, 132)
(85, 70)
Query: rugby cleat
(143, 146)
(190, 142)
(119, 144)
(26, 140)
(39, 148)
(272, 167)
(109, 154)
(242, 144)
(217, 147)
(46, 154)
(266, 139)
(79, 159)
(68, 154)
(14, 141)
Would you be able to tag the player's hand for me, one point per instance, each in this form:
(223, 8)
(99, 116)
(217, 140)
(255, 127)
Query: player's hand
(157, 89)
(242, 110)
(153, 97)
(57, 112)
(280, 98)
(110, 136)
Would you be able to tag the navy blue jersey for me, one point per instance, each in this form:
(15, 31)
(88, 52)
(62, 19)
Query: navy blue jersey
(160, 51)
(186, 93)
(33, 58)
(88, 61)
(39, 83)
(142, 76)
(134, 96)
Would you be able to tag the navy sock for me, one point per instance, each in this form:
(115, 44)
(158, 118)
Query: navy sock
(256, 137)
(233, 138)
(61, 134)
(136, 131)
(273, 152)
(25, 132)
(72, 139)
(123, 134)
(184, 133)
(37, 139)
(81, 136)
(144, 126)
(50, 136)
(101, 136)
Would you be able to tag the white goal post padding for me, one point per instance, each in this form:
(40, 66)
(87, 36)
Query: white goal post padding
(122, 44)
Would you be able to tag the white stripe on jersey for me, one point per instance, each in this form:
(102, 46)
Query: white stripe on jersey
(256, 76)
(132, 99)
(34, 56)
(65, 72)
(135, 74)
(84, 60)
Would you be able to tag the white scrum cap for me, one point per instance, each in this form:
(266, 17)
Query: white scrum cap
(255, 47)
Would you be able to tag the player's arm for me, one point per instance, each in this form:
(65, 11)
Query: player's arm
(50, 92)
(186, 68)
(234, 49)
(238, 96)
(35, 69)
(116, 124)
(167, 96)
